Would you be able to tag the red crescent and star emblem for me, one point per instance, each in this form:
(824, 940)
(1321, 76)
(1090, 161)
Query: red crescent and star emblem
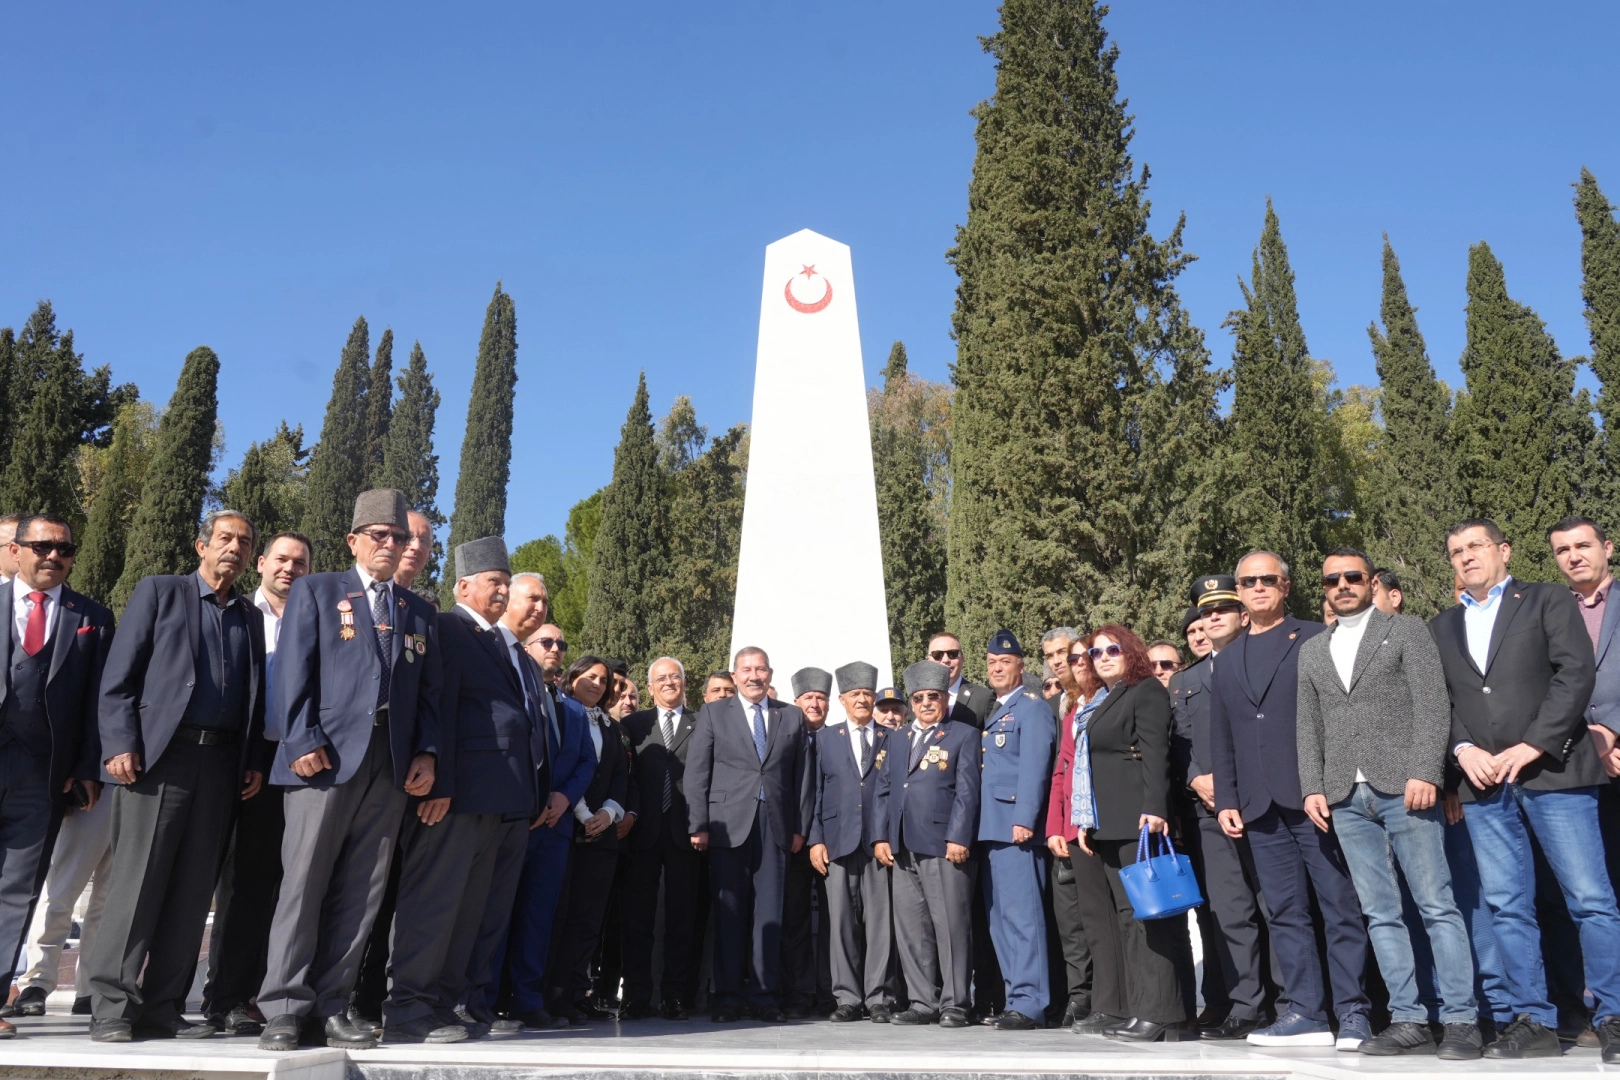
(800, 306)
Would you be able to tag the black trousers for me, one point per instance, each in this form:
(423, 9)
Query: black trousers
(244, 904)
(747, 883)
(686, 910)
(169, 833)
(1250, 978)
(581, 913)
(1145, 985)
(989, 991)
(1073, 948)
(806, 957)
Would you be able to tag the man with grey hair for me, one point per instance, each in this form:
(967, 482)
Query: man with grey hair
(8, 530)
(533, 585)
(1056, 645)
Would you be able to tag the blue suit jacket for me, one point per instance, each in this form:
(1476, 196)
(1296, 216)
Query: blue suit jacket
(573, 760)
(846, 801)
(489, 753)
(1019, 742)
(326, 686)
(1605, 706)
(1253, 726)
(922, 809)
(724, 774)
(152, 670)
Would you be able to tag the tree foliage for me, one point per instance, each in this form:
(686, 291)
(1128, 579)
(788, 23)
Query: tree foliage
(486, 447)
(112, 479)
(337, 466)
(379, 407)
(409, 463)
(1600, 289)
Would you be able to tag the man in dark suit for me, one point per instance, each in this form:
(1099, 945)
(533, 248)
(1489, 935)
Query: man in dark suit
(1254, 747)
(357, 718)
(462, 845)
(806, 962)
(54, 642)
(1520, 671)
(927, 817)
(969, 702)
(182, 718)
(659, 849)
(750, 799)
(859, 929)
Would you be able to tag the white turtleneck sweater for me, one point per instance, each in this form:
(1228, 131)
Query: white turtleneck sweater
(1343, 644)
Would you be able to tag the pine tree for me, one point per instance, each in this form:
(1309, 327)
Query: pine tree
(379, 407)
(913, 546)
(1071, 349)
(1277, 421)
(630, 565)
(1414, 475)
(122, 475)
(164, 528)
(337, 467)
(486, 447)
(1600, 289)
(409, 463)
(269, 486)
(1518, 427)
(8, 378)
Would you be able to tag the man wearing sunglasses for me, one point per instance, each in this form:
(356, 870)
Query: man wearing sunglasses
(355, 710)
(1373, 725)
(55, 644)
(969, 703)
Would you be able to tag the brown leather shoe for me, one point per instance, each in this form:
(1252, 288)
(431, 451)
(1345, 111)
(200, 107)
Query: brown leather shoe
(7, 1029)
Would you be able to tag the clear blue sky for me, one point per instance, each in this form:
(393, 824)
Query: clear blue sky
(254, 178)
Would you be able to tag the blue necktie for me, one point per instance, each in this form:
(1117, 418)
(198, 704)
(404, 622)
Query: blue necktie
(385, 641)
(759, 732)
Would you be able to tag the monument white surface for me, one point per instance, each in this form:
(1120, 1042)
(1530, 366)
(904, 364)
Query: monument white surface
(810, 571)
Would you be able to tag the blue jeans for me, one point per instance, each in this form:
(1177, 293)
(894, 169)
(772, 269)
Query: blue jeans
(1376, 831)
(1566, 825)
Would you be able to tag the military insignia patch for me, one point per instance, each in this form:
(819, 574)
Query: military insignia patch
(1001, 739)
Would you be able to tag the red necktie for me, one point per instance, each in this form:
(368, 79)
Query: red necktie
(34, 633)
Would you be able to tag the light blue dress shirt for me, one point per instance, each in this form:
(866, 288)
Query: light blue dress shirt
(1479, 618)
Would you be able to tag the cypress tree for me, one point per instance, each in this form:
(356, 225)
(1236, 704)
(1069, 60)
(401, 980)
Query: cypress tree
(1414, 491)
(630, 564)
(40, 475)
(123, 473)
(913, 546)
(486, 447)
(409, 462)
(164, 528)
(1071, 345)
(269, 485)
(1518, 428)
(379, 407)
(1600, 289)
(337, 466)
(8, 378)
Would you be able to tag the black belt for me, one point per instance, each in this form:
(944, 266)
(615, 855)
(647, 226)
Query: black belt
(382, 717)
(204, 736)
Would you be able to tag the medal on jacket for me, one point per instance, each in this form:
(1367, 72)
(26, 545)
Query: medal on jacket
(938, 756)
(878, 764)
(346, 620)
(410, 648)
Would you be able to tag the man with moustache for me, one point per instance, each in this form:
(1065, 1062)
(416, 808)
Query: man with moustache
(806, 962)
(54, 643)
(182, 721)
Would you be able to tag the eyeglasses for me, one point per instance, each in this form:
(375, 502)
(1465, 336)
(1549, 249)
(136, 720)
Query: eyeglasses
(1473, 547)
(42, 548)
(1075, 658)
(384, 537)
(922, 696)
(1049, 684)
(1351, 577)
(1270, 581)
(1166, 665)
(1097, 652)
(548, 643)
(945, 654)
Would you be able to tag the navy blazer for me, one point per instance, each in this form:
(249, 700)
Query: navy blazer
(326, 685)
(1254, 734)
(922, 809)
(80, 639)
(573, 761)
(1018, 745)
(145, 690)
(846, 801)
(724, 774)
(611, 779)
(652, 761)
(489, 753)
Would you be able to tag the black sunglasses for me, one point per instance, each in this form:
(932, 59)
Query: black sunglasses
(1166, 665)
(1352, 577)
(945, 654)
(1270, 581)
(927, 695)
(42, 548)
(1097, 652)
(548, 643)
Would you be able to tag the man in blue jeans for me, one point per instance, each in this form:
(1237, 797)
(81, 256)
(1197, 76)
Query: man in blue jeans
(1372, 727)
(1520, 671)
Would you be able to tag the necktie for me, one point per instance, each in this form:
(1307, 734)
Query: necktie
(385, 639)
(531, 702)
(759, 731)
(669, 774)
(866, 748)
(918, 737)
(34, 632)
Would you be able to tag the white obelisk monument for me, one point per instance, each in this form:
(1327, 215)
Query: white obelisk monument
(810, 573)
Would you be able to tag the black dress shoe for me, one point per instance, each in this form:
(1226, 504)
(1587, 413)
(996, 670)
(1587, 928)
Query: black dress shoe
(952, 1018)
(342, 1033)
(1524, 1038)
(638, 1010)
(880, 1014)
(110, 1031)
(1075, 1010)
(81, 1006)
(569, 1012)
(539, 1020)
(31, 1002)
(281, 1033)
(365, 1020)
(1013, 1020)
(913, 1017)
(1231, 1027)
(725, 1014)
(239, 1021)
(796, 1011)
(770, 1014)
(674, 1009)
(988, 1018)
(177, 1028)
(1608, 1034)
(590, 1009)
(1138, 1030)
(426, 1029)
(1096, 1023)
(845, 1014)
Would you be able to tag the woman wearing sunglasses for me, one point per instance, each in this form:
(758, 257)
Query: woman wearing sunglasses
(1119, 781)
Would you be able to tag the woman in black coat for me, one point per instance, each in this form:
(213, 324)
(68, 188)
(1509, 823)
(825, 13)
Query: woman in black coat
(1129, 755)
(608, 799)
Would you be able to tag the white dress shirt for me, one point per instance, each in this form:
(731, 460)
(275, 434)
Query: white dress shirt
(367, 581)
(764, 705)
(855, 736)
(581, 811)
(1342, 645)
(21, 605)
(272, 624)
(956, 688)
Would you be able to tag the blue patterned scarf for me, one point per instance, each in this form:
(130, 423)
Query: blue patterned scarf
(1082, 797)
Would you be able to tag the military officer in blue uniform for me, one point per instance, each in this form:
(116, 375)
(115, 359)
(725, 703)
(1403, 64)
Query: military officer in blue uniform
(1018, 744)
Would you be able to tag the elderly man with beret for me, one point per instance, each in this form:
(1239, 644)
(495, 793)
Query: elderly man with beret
(806, 962)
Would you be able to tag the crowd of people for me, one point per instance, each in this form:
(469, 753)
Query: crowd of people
(422, 826)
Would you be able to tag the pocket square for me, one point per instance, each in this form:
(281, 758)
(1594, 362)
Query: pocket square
(87, 629)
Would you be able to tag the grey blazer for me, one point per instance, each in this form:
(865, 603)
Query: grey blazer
(1392, 724)
(1605, 705)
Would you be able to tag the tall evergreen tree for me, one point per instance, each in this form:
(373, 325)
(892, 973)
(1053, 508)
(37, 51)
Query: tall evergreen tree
(1518, 429)
(379, 406)
(623, 618)
(8, 398)
(1600, 289)
(913, 544)
(337, 467)
(123, 474)
(1414, 486)
(1072, 349)
(39, 477)
(269, 486)
(162, 533)
(486, 447)
(409, 462)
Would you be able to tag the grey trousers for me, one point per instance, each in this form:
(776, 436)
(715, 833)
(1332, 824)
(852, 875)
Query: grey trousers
(83, 853)
(933, 929)
(25, 833)
(334, 855)
(862, 937)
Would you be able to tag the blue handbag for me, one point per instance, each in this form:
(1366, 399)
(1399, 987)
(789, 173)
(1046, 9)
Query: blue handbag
(1160, 886)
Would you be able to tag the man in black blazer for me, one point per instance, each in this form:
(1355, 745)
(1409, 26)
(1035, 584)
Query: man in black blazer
(1520, 670)
(750, 798)
(1254, 745)
(182, 719)
(969, 703)
(659, 847)
(54, 644)
(357, 718)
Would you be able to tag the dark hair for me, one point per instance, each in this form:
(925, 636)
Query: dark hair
(309, 548)
(1161, 643)
(580, 667)
(619, 667)
(726, 675)
(1575, 521)
(26, 522)
(1349, 553)
(1492, 530)
(1135, 654)
(1387, 578)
